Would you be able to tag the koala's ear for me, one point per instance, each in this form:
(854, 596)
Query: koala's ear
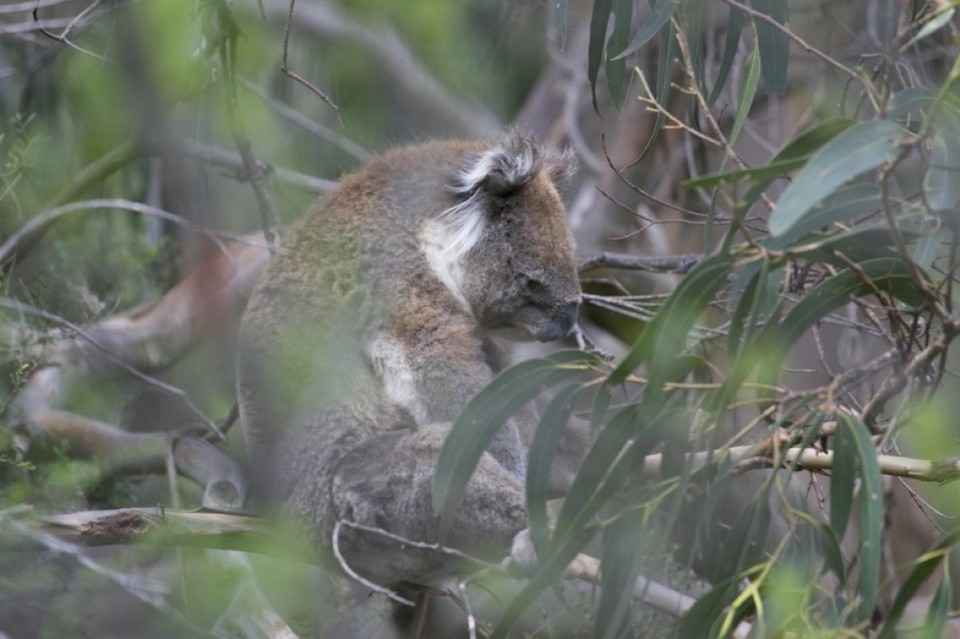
(560, 166)
(500, 170)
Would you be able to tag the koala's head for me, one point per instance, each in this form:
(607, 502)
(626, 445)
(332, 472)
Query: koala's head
(504, 248)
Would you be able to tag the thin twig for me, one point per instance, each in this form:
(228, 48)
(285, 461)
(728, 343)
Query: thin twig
(366, 582)
(297, 77)
(20, 307)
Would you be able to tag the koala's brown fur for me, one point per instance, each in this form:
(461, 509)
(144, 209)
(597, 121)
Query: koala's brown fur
(365, 338)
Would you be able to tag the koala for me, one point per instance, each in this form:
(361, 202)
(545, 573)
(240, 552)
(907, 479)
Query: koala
(369, 332)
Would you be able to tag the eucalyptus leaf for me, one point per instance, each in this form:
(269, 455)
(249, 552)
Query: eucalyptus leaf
(486, 413)
(773, 44)
(858, 149)
(660, 15)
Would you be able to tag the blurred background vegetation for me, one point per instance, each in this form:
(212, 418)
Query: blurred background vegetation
(140, 140)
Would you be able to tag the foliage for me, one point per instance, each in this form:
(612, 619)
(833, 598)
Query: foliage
(814, 337)
(862, 240)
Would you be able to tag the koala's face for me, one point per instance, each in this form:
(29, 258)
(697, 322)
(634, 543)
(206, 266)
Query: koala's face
(505, 249)
(523, 272)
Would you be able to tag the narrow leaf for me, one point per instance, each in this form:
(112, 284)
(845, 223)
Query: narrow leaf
(855, 151)
(842, 482)
(597, 45)
(619, 569)
(486, 413)
(871, 513)
(773, 44)
(660, 15)
(792, 156)
(923, 569)
(748, 89)
(730, 46)
(543, 448)
(889, 274)
(617, 68)
(665, 335)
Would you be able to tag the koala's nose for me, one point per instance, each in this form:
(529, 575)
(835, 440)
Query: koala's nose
(567, 317)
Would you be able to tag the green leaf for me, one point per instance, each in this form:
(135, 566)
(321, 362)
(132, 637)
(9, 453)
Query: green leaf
(939, 609)
(619, 568)
(704, 616)
(550, 573)
(932, 26)
(830, 550)
(668, 51)
(543, 448)
(617, 68)
(845, 203)
(665, 336)
(599, 469)
(843, 476)
(888, 273)
(773, 44)
(871, 513)
(730, 46)
(486, 413)
(660, 15)
(599, 19)
(925, 567)
(748, 89)
(855, 151)
(792, 156)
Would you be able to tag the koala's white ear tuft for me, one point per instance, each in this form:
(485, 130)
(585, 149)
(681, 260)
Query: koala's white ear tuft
(502, 169)
(560, 165)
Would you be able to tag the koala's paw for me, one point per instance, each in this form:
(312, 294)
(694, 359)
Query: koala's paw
(522, 561)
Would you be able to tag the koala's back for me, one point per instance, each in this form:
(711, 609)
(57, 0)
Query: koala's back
(362, 342)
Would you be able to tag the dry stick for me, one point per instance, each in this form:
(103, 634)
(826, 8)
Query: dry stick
(295, 76)
(37, 224)
(657, 264)
(108, 354)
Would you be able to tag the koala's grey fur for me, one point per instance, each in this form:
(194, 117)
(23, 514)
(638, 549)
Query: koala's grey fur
(365, 338)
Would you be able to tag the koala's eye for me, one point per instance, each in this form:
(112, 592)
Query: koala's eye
(533, 285)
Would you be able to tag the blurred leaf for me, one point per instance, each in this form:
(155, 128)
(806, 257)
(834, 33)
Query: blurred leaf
(662, 11)
(665, 337)
(704, 617)
(748, 89)
(857, 150)
(668, 51)
(830, 548)
(773, 44)
(843, 476)
(889, 274)
(923, 569)
(940, 184)
(792, 156)
(617, 67)
(545, 442)
(599, 19)
(550, 573)
(602, 470)
(619, 569)
(939, 609)
(730, 47)
(486, 413)
(845, 203)
(933, 25)
(871, 512)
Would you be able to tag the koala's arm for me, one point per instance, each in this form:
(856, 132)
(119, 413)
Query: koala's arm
(432, 363)
(385, 483)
